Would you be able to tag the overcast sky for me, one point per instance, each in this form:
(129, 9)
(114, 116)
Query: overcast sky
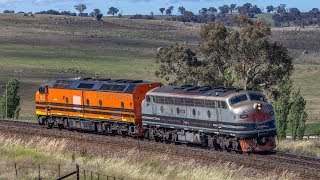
(143, 6)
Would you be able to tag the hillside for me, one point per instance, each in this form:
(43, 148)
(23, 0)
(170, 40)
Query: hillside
(37, 49)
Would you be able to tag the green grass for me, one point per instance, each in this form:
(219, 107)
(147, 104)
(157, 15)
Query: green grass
(267, 17)
(34, 65)
(312, 128)
(28, 153)
(304, 147)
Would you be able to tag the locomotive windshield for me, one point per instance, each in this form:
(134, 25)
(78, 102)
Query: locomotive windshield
(238, 99)
(257, 97)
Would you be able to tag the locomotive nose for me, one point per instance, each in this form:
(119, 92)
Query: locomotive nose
(255, 112)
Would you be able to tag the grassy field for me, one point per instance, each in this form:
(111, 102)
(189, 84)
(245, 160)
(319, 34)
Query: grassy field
(134, 165)
(37, 49)
(305, 147)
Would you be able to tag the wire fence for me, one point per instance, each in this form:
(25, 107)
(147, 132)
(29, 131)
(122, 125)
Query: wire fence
(50, 171)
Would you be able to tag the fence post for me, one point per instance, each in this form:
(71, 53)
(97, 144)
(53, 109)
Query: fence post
(84, 174)
(91, 175)
(39, 173)
(59, 171)
(15, 169)
(98, 176)
(78, 173)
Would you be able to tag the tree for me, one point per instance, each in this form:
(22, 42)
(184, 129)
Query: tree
(295, 12)
(169, 10)
(113, 11)
(281, 9)
(95, 12)
(181, 10)
(255, 10)
(10, 100)
(257, 61)
(245, 9)
(215, 48)
(81, 8)
(178, 65)
(224, 9)
(203, 11)
(162, 10)
(297, 115)
(8, 11)
(212, 10)
(232, 7)
(282, 106)
(241, 56)
(270, 9)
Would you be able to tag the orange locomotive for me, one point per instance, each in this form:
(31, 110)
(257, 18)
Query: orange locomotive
(111, 106)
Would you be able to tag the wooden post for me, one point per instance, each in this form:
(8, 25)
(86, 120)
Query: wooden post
(84, 174)
(59, 171)
(78, 172)
(98, 176)
(39, 172)
(91, 175)
(15, 168)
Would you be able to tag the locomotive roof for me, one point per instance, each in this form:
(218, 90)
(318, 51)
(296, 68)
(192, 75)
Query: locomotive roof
(196, 90)
(112, 85)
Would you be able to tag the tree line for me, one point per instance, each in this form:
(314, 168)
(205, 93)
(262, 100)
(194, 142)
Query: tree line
(80, 8)
(282, 16)
(241, 57)
(293, 16)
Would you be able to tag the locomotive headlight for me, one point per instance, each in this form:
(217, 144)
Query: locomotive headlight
(244, 116)
(259, 106)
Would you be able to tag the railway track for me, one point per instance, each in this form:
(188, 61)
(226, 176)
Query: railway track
(307, 167)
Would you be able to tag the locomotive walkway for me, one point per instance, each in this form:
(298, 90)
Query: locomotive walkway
(306, 167)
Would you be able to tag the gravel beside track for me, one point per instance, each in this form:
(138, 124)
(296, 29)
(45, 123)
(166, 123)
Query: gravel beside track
(101, 145)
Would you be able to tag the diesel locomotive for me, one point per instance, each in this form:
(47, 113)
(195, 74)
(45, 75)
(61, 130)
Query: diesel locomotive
(210, 116)
(215, 117)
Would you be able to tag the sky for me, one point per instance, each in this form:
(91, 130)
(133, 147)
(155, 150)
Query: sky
(143, 6)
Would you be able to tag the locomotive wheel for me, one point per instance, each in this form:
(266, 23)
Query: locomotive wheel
(47, 124)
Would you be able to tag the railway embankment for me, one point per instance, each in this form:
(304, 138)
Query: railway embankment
(133, 158)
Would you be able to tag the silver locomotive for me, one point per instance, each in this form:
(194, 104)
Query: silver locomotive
(215, 117)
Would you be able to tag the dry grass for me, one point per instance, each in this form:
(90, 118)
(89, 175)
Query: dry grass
(305, 147)
(133, 165)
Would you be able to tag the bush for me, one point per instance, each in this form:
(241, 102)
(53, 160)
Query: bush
(139, 16)
(317, 132)
(8, 11)
(51, 12)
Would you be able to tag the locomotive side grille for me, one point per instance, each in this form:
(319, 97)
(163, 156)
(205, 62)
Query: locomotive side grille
(131, 88)
(62, 84)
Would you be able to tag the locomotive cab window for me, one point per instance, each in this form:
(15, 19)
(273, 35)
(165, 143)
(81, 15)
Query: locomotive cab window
(257, 97)
(148, 99)
(237, 99)
(42, 90)
(223, 105)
